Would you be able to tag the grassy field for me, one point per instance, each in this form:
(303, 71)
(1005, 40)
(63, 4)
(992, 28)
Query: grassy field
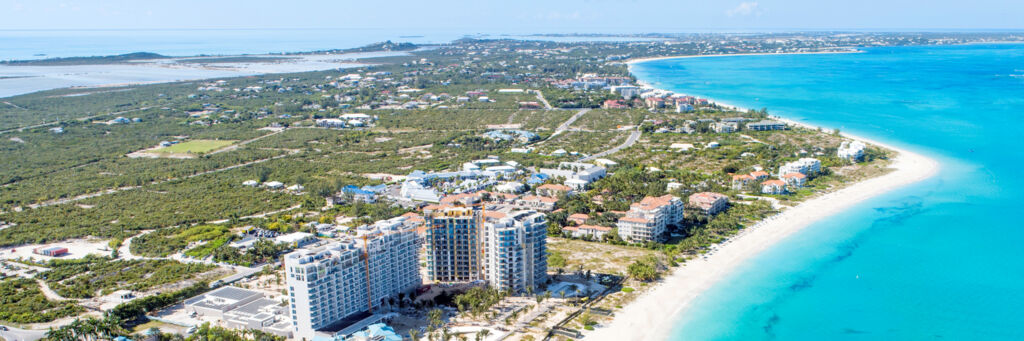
(195, 147)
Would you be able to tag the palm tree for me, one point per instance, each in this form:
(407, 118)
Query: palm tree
(414, 335)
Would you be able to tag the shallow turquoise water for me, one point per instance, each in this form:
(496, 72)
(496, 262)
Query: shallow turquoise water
(940, 259)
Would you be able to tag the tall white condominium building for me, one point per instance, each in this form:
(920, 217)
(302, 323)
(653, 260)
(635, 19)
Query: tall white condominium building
(851, 150)
(353, 276)
(646, 220)
(515, 250)
(806, 166)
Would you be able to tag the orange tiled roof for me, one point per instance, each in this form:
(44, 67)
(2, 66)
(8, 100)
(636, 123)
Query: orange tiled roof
(635, 220)
(555, 187)
(594, 227)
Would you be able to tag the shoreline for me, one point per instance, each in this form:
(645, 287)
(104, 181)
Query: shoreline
(649, 317)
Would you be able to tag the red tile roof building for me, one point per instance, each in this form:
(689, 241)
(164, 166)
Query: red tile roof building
(709, 203)
(647, 220)
(593, 231)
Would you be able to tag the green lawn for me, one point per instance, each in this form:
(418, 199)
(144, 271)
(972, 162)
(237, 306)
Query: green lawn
(195, 146)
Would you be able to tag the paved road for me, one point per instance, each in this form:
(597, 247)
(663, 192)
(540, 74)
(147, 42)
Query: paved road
(565, 125)
(540, 97)
(15, 334)
(71, 119)
(633, 137)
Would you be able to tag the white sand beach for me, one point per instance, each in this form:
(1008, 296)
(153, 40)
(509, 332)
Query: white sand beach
(651, 316)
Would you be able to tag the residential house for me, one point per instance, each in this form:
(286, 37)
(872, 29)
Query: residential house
(806, 166)
(593, 231)
(851, 150)
(553, 190)
(796, 180)
(773, 187)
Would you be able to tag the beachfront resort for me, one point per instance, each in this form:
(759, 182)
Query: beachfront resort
(485, 189)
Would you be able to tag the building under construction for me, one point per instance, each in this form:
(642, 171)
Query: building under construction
(466, 243)
(331, 283)
(453, 243)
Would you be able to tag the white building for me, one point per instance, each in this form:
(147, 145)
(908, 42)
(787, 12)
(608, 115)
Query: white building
(352, 276)
(806, 166)
(594, 231)
(709, 203)
(331, 123)
(577, 174)
(725, 127)
(851, 150)
(515, 251)
(242, 309)
(510, 187)
(647, 220)
(627, 91)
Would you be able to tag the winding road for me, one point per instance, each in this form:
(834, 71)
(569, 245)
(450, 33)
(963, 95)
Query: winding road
(633, 137)
(565, 125)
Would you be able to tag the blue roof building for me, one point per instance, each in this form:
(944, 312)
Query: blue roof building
(538, 178)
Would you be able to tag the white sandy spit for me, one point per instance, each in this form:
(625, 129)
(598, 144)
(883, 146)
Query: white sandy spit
(651, 316)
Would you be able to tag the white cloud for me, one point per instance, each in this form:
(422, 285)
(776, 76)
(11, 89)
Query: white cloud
(744, 9)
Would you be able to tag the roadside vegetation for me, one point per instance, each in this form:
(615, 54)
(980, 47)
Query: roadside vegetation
(21, 301)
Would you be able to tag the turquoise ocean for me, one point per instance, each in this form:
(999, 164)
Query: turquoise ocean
(939, 259)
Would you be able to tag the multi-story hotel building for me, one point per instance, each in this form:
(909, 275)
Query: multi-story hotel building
(329, 283)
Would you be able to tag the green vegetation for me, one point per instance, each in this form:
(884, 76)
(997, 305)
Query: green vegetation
(478, 300)
(94, 276)
(644, 269)
(262, 251)
(89, 328)
(21, 301)
(164, 242)
(194, 147)
(136, 310)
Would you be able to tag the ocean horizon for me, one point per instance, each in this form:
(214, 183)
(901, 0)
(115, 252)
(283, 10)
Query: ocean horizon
(43, 44)
(936, 259)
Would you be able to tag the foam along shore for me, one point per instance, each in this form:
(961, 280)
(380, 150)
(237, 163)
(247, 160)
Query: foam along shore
(652, 315)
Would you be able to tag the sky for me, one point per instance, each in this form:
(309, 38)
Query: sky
(517, 16)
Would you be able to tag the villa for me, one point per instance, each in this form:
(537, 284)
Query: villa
(795, 179)
(851, 150)
(553, 190)
(594, 231)
(806, 166)
(773, 187)
(709, 203)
